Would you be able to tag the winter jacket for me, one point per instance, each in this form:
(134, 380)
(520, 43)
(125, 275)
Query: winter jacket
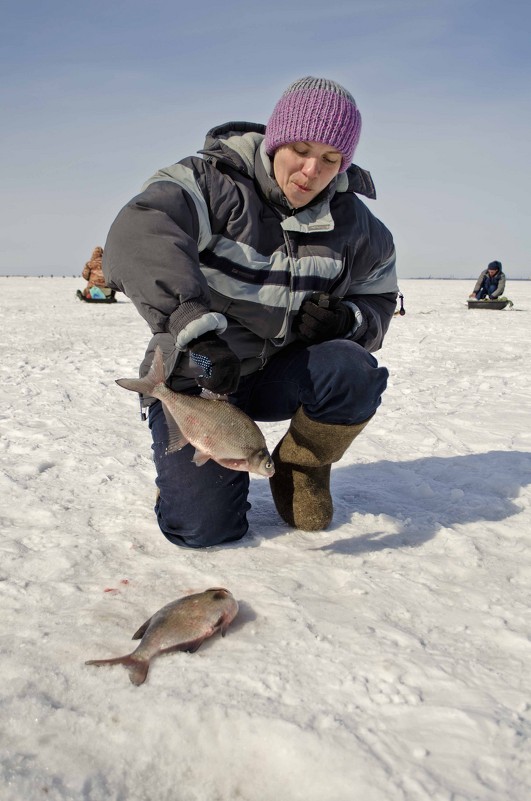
(92, 271)
(211, 243)
(485, 280)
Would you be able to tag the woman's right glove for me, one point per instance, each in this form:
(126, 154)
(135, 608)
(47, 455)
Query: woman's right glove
(219, 364)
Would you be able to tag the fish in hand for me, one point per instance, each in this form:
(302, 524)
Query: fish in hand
(217, 429)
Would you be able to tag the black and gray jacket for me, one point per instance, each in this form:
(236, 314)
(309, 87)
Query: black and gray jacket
(211, 243)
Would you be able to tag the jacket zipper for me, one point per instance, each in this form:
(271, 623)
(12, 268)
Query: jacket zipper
(289, 305)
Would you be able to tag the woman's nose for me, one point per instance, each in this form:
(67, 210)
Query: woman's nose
(311, 167)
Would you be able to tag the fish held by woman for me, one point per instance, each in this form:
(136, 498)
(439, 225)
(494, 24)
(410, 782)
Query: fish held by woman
(217, 429)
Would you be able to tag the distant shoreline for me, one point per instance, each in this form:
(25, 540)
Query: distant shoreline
(401, 277)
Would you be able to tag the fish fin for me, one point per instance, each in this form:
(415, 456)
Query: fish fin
(209, 395)
(135, 385)
(176, 439)
(191, 646)
(200, 458)
(234, 464)
(223, 624)
(147, 384)
(142, 630)
(138, 668)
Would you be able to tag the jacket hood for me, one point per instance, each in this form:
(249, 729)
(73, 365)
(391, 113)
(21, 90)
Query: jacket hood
(237, 144)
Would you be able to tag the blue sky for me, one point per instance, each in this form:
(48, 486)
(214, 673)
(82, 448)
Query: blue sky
(96, 96)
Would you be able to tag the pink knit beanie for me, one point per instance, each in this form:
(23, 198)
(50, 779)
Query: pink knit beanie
(315, 110)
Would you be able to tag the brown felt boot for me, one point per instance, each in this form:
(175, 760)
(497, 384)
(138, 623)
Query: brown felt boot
(303, 457)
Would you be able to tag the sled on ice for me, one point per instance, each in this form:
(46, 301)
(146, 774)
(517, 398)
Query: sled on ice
(110, 298)
(499, 303)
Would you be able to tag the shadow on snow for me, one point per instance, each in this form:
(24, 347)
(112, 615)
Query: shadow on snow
(418, 498)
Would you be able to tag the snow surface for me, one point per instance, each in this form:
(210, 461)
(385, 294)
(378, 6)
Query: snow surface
(386, 659)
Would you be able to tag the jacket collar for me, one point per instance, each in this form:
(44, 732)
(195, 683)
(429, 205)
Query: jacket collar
(240, 145)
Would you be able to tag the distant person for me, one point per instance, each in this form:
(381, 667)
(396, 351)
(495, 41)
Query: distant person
(491, 283)
(260, 263)
(96, 289)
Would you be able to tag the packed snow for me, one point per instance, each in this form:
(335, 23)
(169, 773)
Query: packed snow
(385, 659)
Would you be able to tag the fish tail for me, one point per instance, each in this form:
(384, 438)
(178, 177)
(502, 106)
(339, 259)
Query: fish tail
(146, 385)
(138, 668)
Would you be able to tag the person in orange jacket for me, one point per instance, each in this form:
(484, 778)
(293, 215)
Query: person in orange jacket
(96, 288)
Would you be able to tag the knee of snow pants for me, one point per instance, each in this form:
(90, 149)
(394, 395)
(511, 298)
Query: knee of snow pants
(335, 382)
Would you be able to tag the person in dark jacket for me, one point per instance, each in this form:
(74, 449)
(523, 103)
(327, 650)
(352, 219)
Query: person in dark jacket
(491, 283)
(258, 260)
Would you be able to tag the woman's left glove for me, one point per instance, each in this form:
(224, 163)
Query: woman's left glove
(220, 367)
(321, 318)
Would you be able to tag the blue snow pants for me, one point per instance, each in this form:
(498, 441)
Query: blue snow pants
(335, 382)
(487, 289)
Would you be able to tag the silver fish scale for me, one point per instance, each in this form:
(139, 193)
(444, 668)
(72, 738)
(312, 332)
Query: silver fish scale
(212, 426)
(181, 621)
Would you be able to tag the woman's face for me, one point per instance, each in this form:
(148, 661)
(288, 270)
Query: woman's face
(303, 169)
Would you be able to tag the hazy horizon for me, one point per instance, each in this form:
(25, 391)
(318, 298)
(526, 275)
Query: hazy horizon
(403, 277)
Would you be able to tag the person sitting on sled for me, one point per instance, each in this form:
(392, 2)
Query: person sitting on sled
(490, 283)
(96, 288)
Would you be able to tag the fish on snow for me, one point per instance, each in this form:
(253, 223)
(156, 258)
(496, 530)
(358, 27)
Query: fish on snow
(181, 625)
(217, 429)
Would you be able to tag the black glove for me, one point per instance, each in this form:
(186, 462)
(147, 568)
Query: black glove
(220, 367)
(321, 318)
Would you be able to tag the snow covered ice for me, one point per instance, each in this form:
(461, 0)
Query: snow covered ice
(386, 659)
